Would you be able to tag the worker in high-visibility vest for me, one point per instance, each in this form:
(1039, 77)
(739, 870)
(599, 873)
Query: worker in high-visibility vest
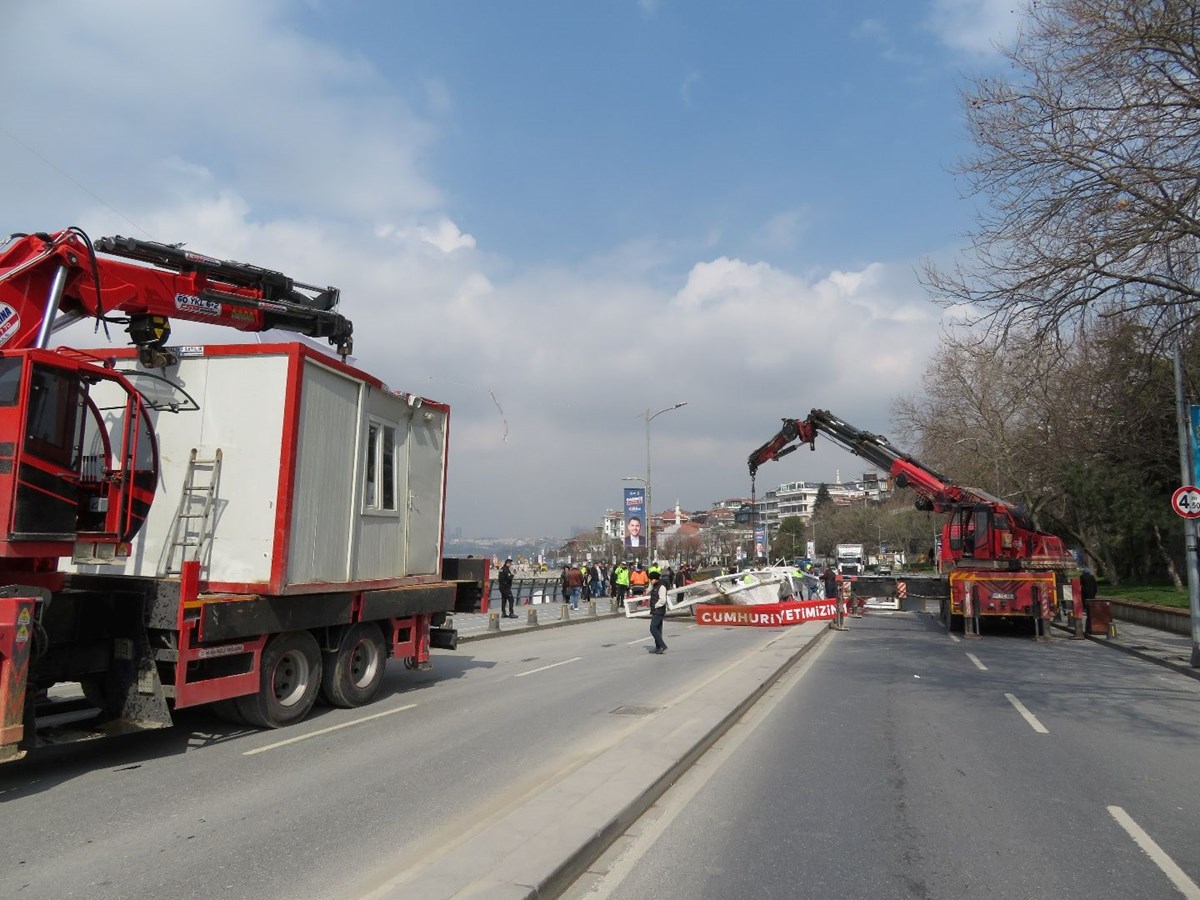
(639, 581)
(622, 583)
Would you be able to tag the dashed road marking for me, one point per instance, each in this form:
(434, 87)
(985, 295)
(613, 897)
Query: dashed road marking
(975, 659)
(1157, 854)
(1027, 715)
(319, 732)
(551, 666)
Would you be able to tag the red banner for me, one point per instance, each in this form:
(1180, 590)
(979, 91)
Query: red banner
(767, 615)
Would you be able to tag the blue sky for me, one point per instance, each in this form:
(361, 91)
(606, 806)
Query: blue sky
(553, 216)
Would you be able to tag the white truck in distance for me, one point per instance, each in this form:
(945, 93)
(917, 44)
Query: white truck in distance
(850, 559)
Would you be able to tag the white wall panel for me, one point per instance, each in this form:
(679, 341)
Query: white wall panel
(325, 500)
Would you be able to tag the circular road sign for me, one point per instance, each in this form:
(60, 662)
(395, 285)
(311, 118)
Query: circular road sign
(1186, 501)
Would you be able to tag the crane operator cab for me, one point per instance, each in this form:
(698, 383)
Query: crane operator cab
(80, 479)
(981, 532)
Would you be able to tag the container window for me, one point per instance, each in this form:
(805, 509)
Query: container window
(379, 489)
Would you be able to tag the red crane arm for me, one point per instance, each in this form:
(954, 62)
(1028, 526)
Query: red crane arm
(50, 280)
(939, 493)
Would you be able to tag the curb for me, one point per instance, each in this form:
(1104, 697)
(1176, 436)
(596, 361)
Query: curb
(528, 629)
(566, 827)
(577, 863)
(1140, 654)
(1148, 657)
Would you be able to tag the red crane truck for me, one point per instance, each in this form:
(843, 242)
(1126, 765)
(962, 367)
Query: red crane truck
(996, 563)
(251, 526)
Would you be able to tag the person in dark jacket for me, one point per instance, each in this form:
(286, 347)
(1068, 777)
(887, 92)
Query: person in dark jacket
(658, 611)
(830, 581)
(1087, 585)
(505, 578)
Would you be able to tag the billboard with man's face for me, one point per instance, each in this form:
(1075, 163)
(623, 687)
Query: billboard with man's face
(635, 517)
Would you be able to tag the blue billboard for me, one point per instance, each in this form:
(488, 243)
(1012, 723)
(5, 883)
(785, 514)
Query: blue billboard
(635, 518)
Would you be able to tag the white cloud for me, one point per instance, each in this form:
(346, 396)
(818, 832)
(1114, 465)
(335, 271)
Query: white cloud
(297, 157)
(976, 27)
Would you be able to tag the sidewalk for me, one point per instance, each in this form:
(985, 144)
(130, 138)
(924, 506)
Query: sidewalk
(1173, 651)
(475, 626)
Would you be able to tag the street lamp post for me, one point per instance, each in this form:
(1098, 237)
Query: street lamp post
(649, 501)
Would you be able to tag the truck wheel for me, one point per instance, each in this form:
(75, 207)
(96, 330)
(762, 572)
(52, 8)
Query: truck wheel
(227, 711)
(354, 672)
(289, 677)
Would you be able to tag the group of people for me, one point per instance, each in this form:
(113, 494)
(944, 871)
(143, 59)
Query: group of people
(624, 580)
(588, 580)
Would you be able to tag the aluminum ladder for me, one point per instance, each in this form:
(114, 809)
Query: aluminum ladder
(191, 530)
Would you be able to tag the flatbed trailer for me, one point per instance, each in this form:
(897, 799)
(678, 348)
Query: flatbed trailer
(296, 547)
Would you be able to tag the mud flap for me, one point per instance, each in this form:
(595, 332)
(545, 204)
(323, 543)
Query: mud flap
(16, 641)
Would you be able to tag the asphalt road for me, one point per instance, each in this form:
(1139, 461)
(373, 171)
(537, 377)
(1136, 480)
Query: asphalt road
(335, 805)
(896, 761)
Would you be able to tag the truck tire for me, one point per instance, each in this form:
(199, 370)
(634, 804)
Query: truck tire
(227, 711)
(354, 671)
(289, 678)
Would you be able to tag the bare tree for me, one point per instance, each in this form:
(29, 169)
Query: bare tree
(1082, 438)
(1089, 160)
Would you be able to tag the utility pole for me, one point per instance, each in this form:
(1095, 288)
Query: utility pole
(649, 502)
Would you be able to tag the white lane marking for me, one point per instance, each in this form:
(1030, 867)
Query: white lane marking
(1027, 715)
(975, 659)
(1158, 856)
(953, 638)
(551, 666)
(653, 823)
(638, 641)
(313, 734)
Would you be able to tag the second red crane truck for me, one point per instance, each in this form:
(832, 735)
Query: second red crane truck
(996, 563)
(252, 526)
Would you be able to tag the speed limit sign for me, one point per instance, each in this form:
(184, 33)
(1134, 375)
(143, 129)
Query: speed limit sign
(1186, 501)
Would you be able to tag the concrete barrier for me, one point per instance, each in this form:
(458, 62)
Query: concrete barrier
(1164, 618)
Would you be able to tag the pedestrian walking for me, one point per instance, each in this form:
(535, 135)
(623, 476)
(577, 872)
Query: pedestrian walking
(658, 611)
(575, 583)
(505, 578)
(564, 583)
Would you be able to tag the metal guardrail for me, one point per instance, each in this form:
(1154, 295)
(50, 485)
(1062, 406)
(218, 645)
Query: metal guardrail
(545, 589)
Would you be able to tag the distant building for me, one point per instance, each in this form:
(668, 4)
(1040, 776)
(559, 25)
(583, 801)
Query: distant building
(798, 498)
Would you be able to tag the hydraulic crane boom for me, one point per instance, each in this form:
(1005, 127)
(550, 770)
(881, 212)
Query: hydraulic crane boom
(78, 475)
(48, 281)
(981, 529)
(997, 564)
(938, 493)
